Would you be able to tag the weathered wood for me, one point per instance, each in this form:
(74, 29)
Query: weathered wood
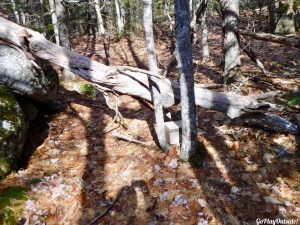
(122, 79)
(293, 42)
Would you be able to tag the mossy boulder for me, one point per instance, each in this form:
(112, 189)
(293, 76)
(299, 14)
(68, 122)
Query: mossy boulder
(13, 131)
(36, 80)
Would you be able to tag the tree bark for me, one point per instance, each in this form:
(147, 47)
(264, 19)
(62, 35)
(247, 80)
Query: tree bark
(231, 45)
(159, 114)
(292, 42)
(100, 23)
(16, 13)
(204, 37)
(54, 21)
(63, 30)
(120, 16)
(127, 80)
(185, 65)
(272, 15)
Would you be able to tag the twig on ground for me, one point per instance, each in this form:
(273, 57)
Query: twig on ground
(127, 138)
(101, 215)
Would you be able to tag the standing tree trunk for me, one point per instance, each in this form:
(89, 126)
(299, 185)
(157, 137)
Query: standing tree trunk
(159, 114)
(185, 66)
(54, 20)
(100, 23)
(120, 16)
(204, 36)
(16, 13)
(272, 15)
(63, 30)
(231, 45)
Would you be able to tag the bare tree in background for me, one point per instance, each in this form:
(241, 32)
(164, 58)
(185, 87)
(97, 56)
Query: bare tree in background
(120, 16)
(100, 23)
(204, 34)
(272, 15)
(62, 21)
(231, 45)
(152, 61)
(54, 20)
(185, 66)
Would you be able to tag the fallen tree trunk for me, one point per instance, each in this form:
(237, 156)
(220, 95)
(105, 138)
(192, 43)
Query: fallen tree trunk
(293, 42)
(125, 80)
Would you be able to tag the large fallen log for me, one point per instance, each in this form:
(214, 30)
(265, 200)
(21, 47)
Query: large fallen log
(125, 80)
(293, 42)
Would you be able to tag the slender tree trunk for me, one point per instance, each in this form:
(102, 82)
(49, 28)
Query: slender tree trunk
(159, 114)
(100, 22)
(167, 13)
(120, 16)
(204, 37)
(272, 15)
(231, 45)
(54, 20)
(63, 30)
(16, 13)
(185, 66)
(23, 15)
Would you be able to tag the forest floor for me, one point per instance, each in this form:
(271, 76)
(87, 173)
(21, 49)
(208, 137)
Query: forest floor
(77, 171)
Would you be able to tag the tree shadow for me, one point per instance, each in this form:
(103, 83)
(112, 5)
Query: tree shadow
(135, 56)
(232, 179)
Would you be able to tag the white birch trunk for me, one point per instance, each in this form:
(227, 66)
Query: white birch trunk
(16, 13)
(54, 21)
(100, 22)
(120, 16)
(159, 114)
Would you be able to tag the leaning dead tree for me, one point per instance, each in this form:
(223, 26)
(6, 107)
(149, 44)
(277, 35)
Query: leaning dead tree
(134, 81)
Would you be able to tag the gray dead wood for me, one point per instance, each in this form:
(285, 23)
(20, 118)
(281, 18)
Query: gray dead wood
(126, 80)
(292, 42)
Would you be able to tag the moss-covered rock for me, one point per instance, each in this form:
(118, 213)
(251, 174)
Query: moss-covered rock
(13, 131)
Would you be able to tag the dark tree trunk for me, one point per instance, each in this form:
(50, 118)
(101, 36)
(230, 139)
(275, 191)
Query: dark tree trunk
(185, 66)
(272, 15)
(231, 46)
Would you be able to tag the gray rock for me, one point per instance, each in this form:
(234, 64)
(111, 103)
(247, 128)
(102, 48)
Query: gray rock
(23, 77)
(13, 131)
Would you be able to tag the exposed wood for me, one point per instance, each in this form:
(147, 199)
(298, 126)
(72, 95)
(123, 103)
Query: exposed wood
(293, 42)
(123, 79)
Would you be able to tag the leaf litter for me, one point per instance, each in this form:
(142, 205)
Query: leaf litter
(80, 170)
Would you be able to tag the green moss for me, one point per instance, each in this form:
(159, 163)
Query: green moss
(87, 89)
(34, 181)
(8, 113)
(11, 200)
(5, 167)
(293, 98)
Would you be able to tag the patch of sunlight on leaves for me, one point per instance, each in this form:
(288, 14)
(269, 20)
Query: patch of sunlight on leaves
(87, 89)
(11, 200)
